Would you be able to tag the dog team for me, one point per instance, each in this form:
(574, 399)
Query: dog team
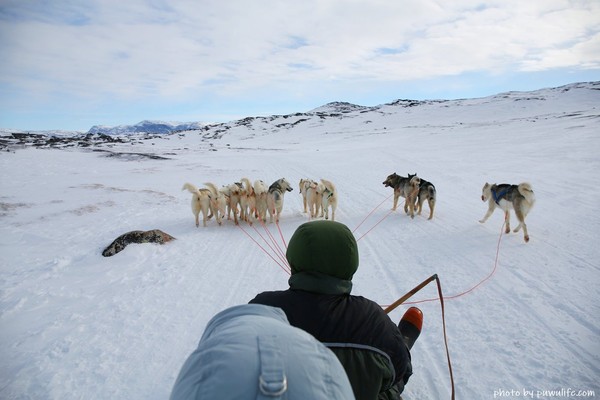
(250, 201)
(253, 201)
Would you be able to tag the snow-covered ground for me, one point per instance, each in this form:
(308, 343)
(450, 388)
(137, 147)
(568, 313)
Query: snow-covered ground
(76, 325)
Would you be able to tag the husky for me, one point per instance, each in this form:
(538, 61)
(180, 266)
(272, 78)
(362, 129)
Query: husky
(330, 199)
(200, 202)
(403, 187)
(260, 196)
(506, 197)
(303, 187)
(234, 192)
(314, 196)
(426, 192)
(218, 202)
(275, 197)
(247, 201)
(411, 193)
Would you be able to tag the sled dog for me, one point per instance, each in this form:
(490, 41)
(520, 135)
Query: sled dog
(260, 196)
(330, 199)
(426, 192)
(403, 187)
(505, 196)
(275, 197)
(314, 196)
(234, 192)
(411, 192)
(247, 201)
(303, 187)
(218, 202)
(200, 202)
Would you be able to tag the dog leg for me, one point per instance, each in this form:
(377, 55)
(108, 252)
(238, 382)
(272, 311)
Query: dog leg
(320, 209)
(488, 214)
(409, 205)
(395, 201)
(525, 233)
(521, 218)
(507, 220)
(431, 207)
(420, 206)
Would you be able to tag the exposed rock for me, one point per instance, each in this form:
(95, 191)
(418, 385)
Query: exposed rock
(153, 236)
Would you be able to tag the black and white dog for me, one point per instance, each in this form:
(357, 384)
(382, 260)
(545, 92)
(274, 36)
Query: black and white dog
(426, 192)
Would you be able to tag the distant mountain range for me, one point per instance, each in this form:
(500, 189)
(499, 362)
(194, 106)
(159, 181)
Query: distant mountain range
(324, 119)
(161, 127)
(154, 127)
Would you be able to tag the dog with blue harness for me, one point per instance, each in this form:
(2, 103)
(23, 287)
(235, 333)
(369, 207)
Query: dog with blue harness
(519, 198)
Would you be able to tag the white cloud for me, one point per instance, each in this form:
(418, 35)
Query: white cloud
(140, 49)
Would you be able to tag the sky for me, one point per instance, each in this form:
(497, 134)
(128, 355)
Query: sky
(71, 64)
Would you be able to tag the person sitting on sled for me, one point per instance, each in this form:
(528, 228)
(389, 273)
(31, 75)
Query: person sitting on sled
(375, 352)
(250, 352)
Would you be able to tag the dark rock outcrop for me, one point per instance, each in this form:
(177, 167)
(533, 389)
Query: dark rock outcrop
(152, 236)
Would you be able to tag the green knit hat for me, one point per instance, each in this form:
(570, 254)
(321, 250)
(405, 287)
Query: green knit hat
(319, 251)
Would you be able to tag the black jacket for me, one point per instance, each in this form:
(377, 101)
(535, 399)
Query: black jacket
(323, 257)
(357, 330)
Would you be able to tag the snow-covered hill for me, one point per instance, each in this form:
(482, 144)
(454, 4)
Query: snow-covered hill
(74, 324)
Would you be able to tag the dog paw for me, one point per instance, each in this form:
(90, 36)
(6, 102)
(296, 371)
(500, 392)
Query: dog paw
(481, 221)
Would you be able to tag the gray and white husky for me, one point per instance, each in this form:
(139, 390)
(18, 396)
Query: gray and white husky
(506, 197)
(407, 187)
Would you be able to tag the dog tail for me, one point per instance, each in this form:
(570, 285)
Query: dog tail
(190, 188)
(328, 185)
(247, 186)
(213, 189)
(527, 192)
(431, 190)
